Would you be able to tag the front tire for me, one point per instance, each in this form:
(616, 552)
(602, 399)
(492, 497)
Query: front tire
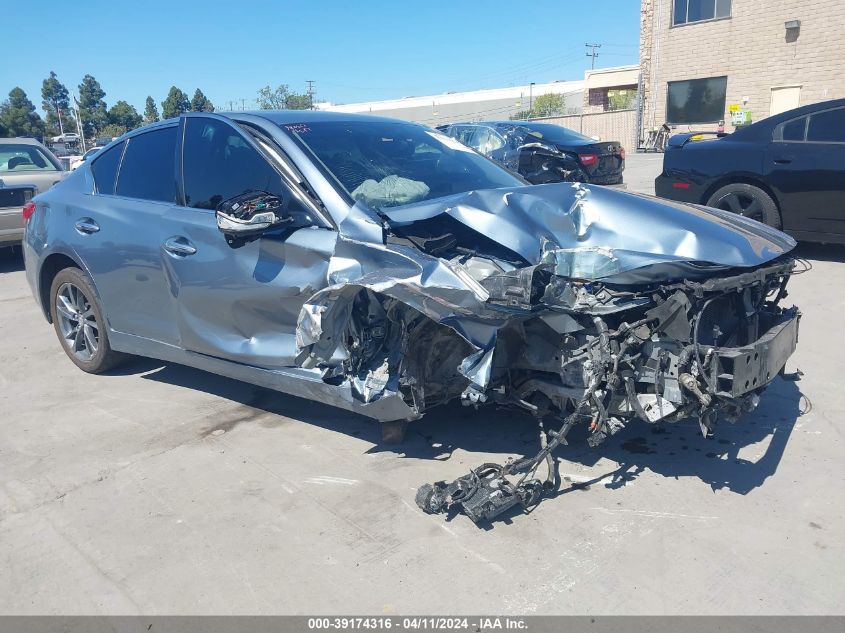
(79, 323)
(748, 201)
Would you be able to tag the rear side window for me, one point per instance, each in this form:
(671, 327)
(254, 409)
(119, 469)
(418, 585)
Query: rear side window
(104, 169)
(147, 171)
(219, 164)
(827, 127)
(791, 130)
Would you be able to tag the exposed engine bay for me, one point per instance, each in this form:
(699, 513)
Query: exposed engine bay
(561, 318)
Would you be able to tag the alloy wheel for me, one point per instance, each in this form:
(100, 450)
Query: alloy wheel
(742, 204)
(77, 322)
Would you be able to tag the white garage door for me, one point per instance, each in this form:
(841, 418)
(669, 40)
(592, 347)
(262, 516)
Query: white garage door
(785, 98)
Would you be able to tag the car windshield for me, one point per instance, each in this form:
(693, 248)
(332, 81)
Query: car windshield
(387, 164)
(554, 133)
(14, 157)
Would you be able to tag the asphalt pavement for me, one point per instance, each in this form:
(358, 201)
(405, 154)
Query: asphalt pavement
(160, 489)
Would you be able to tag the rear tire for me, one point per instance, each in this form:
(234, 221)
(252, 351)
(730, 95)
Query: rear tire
(79, 323)
(748, 201)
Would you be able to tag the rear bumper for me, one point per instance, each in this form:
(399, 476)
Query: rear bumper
(11, 225)
(613, 179)
(673, 188)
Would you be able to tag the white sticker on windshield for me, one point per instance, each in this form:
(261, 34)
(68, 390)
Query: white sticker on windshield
(448, 141)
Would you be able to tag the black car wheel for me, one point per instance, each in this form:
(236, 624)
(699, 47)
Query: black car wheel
(79, 322)
(747, 200)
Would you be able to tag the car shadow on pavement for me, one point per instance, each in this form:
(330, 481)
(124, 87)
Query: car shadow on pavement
(821, 252)
(738, 457)
(254, 404)
(11, 260)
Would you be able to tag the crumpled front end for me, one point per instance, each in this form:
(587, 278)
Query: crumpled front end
(555, 311)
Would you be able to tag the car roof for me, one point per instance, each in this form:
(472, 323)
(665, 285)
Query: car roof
(21, 140)
(279, 117)
(288, 117)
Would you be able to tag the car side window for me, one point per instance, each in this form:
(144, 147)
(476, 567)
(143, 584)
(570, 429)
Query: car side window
(464, 134)
(791, 131)
(486, 140)
(104, 169)
(218, 164)
(147, 171)
(827, 127)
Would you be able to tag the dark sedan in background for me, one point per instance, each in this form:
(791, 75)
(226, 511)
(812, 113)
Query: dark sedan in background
(543, 152)
(787, 170)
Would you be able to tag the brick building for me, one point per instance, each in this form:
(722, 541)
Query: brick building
(702, 60)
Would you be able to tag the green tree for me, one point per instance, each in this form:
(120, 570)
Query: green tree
(55, 100)
(544, 105)
(18, 116)
(124, 115)
(200, 102)
(92, 107)
(548, 105)
(112, 130)
(176, 103)
(281, 98)
(150, 111)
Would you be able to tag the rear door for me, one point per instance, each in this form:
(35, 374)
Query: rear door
(238, 303)
(806, 163)
(116, 232)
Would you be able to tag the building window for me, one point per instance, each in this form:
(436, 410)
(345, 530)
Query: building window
(696, 100)
(698, 10)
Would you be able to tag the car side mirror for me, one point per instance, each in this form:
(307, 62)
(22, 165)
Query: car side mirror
(249, 215)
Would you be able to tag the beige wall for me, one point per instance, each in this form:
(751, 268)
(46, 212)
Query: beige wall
(620, 125)
(751, 48)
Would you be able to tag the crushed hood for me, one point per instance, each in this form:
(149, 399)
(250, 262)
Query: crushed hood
(593, 232)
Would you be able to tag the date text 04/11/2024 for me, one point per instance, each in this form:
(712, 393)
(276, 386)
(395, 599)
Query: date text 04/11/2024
(418, 623)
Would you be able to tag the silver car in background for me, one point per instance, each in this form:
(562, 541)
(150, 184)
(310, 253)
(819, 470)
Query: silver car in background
(27, 168)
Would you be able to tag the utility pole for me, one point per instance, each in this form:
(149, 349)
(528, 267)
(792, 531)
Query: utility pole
(530, 99)
(78, 117)
(593, 54)
(243, 103)
(310, 93)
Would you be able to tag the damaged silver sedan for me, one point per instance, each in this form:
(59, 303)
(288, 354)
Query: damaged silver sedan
(382, 267)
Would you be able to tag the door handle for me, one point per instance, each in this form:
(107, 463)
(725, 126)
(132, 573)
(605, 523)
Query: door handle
(783, 160)
(179, 247)
(86, 226)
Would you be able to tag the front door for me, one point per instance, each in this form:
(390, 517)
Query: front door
(237, 303)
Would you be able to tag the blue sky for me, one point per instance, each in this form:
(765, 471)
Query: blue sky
(354, 51)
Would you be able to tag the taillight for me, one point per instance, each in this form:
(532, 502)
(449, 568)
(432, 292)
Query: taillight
(622, 153)
(28, 210)
(588, 159)
(680, 185)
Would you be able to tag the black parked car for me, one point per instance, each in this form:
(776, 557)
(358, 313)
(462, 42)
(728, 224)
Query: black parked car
(787, 170)
(543, 152)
